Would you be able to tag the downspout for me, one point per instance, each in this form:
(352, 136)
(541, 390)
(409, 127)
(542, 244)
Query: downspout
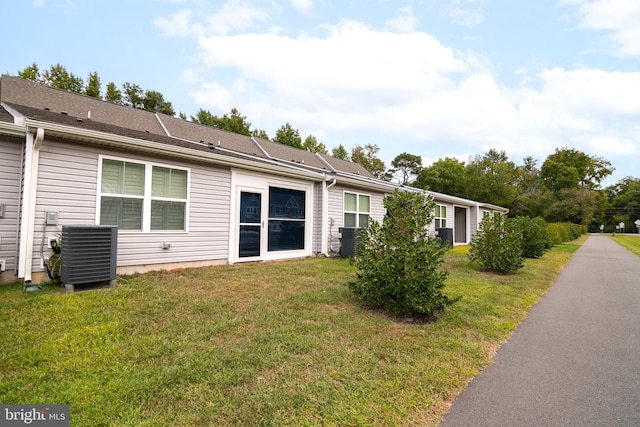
(326, 230)
(33, 142)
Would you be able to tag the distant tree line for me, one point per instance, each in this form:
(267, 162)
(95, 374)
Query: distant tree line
(130, 93)
(565, 188)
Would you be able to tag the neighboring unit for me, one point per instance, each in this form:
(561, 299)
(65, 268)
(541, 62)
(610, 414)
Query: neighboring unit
(180, 194)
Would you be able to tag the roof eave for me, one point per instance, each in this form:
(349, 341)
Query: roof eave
(12, 129)
(125, 142)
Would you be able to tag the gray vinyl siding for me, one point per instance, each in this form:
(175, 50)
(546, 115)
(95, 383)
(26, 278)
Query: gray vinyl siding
(474, 220)
(377, 205)
(10, 167)
(336, 211)
(68, 184)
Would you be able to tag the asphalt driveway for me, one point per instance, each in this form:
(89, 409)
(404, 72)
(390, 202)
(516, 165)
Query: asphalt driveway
(575, 360)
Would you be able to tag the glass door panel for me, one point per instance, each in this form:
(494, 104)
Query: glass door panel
(250, 224)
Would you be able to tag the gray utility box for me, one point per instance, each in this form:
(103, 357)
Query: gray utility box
(446, 236)
(348, 241)
(89, 254)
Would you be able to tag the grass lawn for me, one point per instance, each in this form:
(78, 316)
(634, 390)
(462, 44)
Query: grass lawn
(631, 243)
(283, 343)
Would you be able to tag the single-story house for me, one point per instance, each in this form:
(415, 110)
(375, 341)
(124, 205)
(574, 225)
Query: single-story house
(181, 194)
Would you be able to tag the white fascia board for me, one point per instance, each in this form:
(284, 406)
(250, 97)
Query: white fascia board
(452, 199)
(108, 139)
(493, 207)
(364, 182)
(12, 129)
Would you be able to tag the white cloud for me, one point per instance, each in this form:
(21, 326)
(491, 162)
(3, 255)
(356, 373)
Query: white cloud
(304, 6)
(619, 18)
(588, 108)
(404, 22)
(179, 24)
(234, 15)
(405, 91)
(466, 13)
(353, 58)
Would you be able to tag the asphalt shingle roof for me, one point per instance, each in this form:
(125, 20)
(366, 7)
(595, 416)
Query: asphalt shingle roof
(40, 102)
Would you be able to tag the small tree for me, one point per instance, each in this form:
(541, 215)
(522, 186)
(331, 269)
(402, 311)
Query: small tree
(398, 261)
(497, 244)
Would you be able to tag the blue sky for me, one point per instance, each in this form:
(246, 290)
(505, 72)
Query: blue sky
(436, 78)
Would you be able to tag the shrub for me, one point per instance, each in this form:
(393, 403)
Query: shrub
(535, 236)
(398, 261)
(555, 236)
(561, 232)
(497, 244)
(576, 231)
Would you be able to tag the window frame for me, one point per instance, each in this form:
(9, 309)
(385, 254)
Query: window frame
(358, 212)
(281, 217)
(439, 221)
(147, 196)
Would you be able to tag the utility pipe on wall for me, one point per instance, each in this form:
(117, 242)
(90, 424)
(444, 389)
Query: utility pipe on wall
(32, 156)
(326, 237)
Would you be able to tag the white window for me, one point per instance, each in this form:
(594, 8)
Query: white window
(142, 196)
(440, 216)
(357, 209)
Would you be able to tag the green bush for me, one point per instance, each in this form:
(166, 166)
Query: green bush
(497, 244)
(535, 236)
(398, 261)
(576, 230)
(561, 232)
(555, 237)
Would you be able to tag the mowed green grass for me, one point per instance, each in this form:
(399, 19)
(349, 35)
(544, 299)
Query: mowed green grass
(631, 243)
(273, 344)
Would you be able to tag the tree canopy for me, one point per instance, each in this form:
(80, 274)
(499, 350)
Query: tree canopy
(232, 122)
(407, 166)
(340, 152)
(569, 168)
(366, 156)
(446, 176)
(312, 145)
(287, 135)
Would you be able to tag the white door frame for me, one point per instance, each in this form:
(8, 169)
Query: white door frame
(260, 183)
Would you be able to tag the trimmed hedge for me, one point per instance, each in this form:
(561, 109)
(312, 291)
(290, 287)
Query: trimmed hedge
(561, 232)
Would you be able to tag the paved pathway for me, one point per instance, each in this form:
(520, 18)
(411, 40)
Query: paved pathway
(575, 360)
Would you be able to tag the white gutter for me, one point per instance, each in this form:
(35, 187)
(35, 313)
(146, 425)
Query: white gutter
(12, 129)
(324, 247)
(32, 156)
